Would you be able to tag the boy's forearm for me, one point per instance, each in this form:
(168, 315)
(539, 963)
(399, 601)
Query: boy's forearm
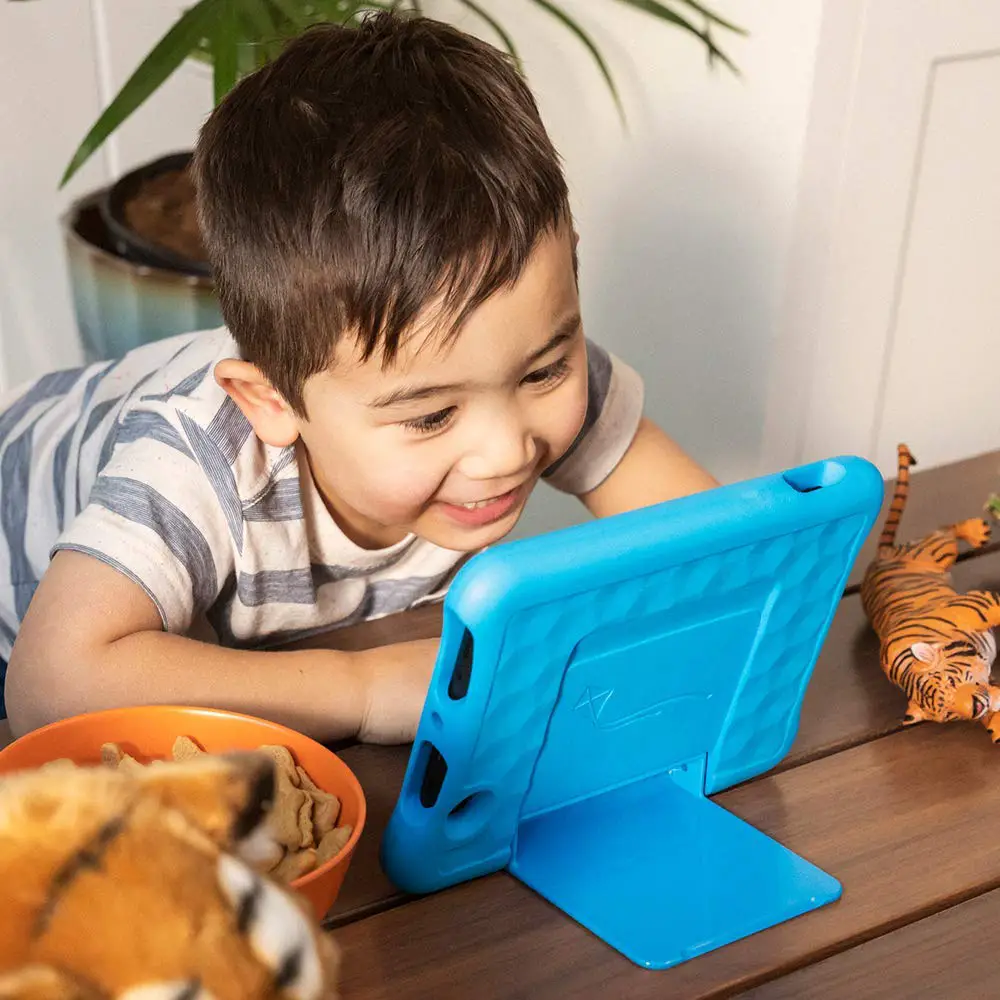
(319, 692)
(91, 640)
(654, 469)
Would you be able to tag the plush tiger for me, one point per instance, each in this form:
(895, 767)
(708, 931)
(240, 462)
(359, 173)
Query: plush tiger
(937, 645)
(128, 885)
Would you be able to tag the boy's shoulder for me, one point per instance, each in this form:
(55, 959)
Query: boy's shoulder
(175, 369)
(166, 381)
(178, 403)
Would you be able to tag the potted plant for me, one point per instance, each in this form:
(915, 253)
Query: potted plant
(138, 268)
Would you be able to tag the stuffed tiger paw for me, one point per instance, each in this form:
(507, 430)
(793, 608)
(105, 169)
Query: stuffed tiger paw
(127, 885)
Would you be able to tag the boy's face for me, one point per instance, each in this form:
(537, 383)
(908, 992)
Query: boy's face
(448, 441)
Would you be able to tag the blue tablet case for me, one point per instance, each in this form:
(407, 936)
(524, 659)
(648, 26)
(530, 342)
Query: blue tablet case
(595, 684)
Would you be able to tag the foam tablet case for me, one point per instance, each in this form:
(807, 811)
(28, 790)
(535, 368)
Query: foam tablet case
(595, 685)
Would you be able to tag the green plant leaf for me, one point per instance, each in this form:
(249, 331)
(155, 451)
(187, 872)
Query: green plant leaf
(236, 36)
(292, 11)
(202, 53)
(260, 30)
(171, 50)
(710, 15)
(225, 55)
(331, 10)
(657, 9)
(497, 27)
(257, 19)
(556, 11)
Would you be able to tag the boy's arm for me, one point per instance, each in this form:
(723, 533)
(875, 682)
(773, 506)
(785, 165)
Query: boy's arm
(92, 639)
(653, 469)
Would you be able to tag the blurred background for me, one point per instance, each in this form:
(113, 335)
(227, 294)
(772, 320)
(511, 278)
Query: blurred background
(800, 259)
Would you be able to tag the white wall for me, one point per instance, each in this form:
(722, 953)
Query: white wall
(890, 324)
(685, 219)
(48, 80)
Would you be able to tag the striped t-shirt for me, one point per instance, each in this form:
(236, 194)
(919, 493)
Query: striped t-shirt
(146, 464)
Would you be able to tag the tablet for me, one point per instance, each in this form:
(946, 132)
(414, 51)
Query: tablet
(596, 684)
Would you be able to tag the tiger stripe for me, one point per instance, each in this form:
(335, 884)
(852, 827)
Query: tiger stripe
(936, 644)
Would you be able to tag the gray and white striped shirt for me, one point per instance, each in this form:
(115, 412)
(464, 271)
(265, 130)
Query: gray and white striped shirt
(146, 464)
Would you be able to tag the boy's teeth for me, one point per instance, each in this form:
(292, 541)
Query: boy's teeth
(478, 503)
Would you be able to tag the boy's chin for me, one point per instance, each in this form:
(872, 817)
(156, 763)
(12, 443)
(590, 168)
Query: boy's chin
(446, 534)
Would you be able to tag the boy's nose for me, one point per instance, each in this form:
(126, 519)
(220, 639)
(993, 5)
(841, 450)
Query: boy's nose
(501, 452)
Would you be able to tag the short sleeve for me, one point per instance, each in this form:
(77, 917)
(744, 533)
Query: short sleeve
(164, 511)
(614, 409)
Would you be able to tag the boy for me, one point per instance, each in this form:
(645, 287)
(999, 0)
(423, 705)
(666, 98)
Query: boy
(403, 359)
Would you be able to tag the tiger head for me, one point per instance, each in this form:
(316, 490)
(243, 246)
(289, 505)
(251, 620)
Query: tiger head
(962, 667)
(128, 885)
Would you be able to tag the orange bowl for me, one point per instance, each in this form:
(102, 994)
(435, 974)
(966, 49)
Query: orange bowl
(148, 732)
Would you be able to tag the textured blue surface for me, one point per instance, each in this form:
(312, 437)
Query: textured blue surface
(675, 641)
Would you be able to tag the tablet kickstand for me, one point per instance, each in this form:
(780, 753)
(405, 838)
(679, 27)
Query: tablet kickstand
(661, 872)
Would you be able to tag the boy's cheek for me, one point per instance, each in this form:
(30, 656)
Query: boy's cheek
(373, 482)
(400, 489)
(570, 421)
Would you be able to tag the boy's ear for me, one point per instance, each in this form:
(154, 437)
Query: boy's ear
(272, 419)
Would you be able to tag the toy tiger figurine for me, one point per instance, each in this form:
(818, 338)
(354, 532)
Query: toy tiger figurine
(127, 885)
(936, 645)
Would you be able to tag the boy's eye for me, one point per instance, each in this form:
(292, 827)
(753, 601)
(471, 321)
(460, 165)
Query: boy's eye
(431, 422)
(547, 375)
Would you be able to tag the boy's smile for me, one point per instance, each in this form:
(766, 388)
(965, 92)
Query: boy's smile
(481, 512)
(448, 441)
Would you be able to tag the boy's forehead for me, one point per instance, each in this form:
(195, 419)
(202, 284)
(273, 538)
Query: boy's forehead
(426, 343)
(510, 325)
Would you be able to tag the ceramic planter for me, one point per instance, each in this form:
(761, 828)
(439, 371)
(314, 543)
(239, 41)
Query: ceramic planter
(119, 304)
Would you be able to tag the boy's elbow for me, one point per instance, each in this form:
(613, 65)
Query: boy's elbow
(60, 664)
(25, 703)
(22, 713)
(36, 693)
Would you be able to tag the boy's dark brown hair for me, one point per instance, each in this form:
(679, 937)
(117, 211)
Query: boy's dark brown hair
(363, 174)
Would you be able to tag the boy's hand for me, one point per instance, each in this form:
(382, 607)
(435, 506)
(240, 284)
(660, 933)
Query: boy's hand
(395, 680)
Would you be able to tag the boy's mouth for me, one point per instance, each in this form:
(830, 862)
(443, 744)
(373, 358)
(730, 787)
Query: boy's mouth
(476, 504)
(479, 512)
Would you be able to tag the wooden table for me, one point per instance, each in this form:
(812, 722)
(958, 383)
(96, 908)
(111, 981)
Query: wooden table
(908, 821)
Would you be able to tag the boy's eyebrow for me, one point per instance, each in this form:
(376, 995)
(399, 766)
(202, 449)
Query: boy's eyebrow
(409, 394)
(564, 332)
